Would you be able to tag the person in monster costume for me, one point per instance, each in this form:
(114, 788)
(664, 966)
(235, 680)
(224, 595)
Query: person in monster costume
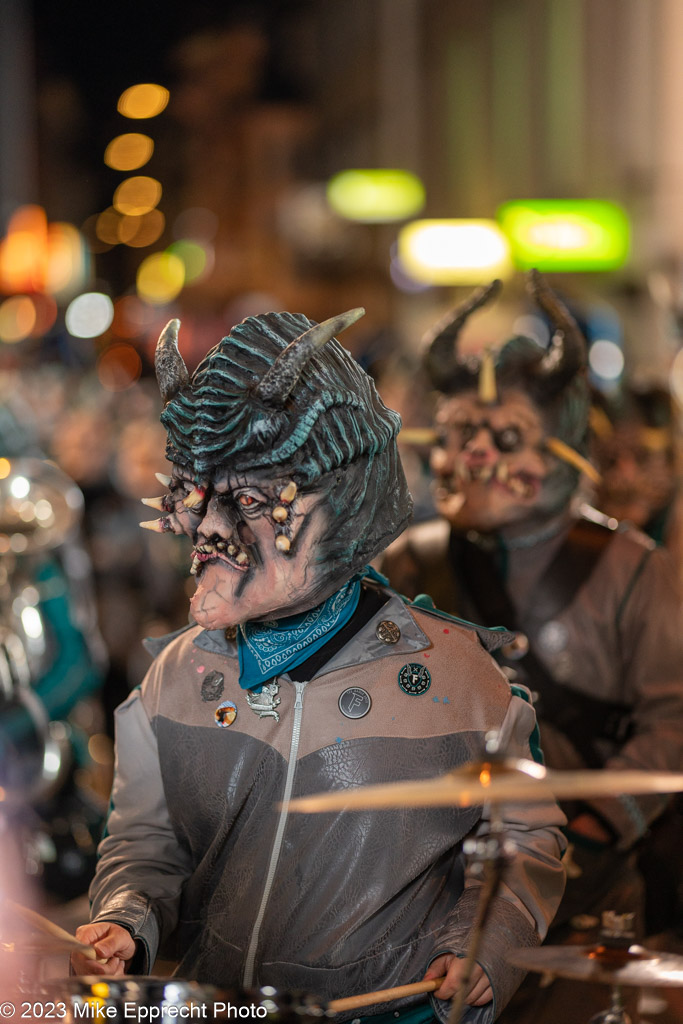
(302, 671)
(595, 605)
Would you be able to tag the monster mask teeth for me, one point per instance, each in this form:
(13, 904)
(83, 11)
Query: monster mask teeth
(288, 493)
(279, 513)
(195, 498)
(282, 543)
(485, 474)
(157, 525)
(502, 472)
(196, 562)
(157, 503)
(164, 480)
(242, 558)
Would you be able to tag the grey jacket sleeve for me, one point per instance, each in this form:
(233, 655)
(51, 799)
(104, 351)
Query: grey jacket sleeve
(532, 884)
(651, 648)
(141, 868)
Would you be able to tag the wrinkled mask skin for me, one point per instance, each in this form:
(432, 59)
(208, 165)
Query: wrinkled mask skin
(255, 538)
(286, 474)
(638, 472)
(492, 470)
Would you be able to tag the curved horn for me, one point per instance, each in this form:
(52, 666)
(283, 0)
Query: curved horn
(277, 384)
(567, 352)
(440, 342)
(170, 369)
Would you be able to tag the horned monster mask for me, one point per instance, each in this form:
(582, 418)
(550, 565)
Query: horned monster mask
(512, 420)
(286, 474)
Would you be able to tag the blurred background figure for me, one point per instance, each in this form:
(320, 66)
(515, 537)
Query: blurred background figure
(636, 447)
(509, 547)
(55, 761)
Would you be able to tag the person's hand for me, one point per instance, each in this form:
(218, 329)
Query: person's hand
(114, 945)
(479, 990)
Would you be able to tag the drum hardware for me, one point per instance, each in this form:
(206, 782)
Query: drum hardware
(494, 781)
(118, 999)
(611, 961)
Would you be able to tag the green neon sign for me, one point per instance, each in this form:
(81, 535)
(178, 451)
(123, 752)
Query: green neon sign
(375, 196)
(566, 234)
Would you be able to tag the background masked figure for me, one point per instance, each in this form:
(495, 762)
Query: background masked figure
(302, 673)
(597, 608)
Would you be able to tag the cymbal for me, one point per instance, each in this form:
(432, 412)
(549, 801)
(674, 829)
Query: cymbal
(483, 782)
(633, 966)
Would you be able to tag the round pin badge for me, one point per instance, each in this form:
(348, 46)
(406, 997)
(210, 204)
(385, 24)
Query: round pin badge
(388, 632)
(212, 686)
(414, 679)
(225, 714)
(354, 702)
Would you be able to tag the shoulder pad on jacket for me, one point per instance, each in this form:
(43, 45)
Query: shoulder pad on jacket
(491, 637)
(154, 645)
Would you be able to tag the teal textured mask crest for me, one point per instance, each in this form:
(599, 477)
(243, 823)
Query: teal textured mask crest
(333, 416)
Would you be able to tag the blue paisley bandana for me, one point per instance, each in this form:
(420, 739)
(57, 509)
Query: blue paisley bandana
(266, 649)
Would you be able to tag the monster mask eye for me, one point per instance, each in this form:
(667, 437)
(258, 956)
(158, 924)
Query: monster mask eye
(251, 503)
(508, 440)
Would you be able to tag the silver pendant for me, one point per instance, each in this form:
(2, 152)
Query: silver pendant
(265, 702)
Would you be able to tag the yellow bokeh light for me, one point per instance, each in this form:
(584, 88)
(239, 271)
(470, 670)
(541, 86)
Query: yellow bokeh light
(66, 259)
(144, 100)
(17, 318)
(137, 195)
(143, 230)
(5, 468)
(107, 226)
(451, 251)
(128, 152)
(160, 278)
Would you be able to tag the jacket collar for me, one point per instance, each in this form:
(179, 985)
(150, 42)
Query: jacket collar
(363, 647)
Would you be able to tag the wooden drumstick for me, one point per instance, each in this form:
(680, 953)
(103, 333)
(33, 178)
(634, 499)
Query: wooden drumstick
(50, 928)
(385, 995)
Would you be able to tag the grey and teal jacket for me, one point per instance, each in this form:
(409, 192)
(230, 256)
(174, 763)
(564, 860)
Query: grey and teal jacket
(202, 859)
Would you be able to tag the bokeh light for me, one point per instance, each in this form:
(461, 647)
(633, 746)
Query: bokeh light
(139, 231)
(606, 360)
(566, 234)
(107, 226)
(46, 310)
(137, 195)
(128, 152)
(196, 223)
(376, 195)
(89, 315)
(443, 252)
(119, 367)
(66, 260)
(196, 258)
(17, 318)
(160, 278)
(132, 316)
(143, 100)
(23, 251)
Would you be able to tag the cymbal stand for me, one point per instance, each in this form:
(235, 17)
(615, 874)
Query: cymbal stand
(616, 933)
(616, 1013)
(489, 856)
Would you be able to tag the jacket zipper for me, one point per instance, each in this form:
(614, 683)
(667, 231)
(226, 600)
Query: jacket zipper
(250, 962)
